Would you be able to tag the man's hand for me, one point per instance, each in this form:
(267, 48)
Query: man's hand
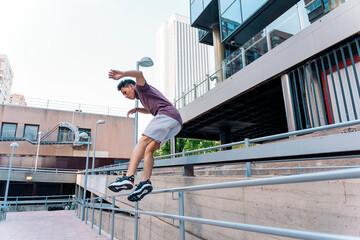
(131, 111)
(116, 74)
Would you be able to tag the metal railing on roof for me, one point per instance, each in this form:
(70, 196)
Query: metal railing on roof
(285, 232)
(74, 107)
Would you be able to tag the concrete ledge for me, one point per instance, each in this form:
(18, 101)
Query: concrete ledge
(39, 177)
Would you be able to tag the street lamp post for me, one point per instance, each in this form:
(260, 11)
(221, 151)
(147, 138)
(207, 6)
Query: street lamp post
(86, 136)
(12, 145)
(96, 125)
(37, 152)
(144, 62)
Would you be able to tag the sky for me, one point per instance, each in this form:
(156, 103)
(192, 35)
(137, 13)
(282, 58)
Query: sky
(63, 49)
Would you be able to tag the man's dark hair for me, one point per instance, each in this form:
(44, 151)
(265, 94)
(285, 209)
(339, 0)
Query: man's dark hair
(125, 83)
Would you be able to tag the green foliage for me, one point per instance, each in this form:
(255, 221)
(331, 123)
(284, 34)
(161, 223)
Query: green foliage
(187, 145)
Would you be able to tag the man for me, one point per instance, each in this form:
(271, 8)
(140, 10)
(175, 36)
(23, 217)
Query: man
(166, 124)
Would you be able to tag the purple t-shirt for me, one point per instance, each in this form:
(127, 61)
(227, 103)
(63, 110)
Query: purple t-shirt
(155, 102)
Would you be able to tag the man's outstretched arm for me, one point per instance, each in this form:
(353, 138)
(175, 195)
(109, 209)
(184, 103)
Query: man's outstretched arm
(140, 110)
(138, 75)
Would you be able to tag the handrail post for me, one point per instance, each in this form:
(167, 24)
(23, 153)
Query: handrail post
(248, 164)
(195, 88)
(100, 217)
(80, 209)
(16, 204)
(300, 168)
(93, 210)
(87, 211)
(181, 213)
(112, 218)
(208, 81)
(183, 97)
(136, 221)
(183, 169)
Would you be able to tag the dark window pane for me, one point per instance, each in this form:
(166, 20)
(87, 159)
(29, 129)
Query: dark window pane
(86, 130)
(31, 132)
(8, 130)
(65, 135)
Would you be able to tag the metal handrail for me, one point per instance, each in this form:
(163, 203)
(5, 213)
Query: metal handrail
(45, 170)
(302, 178)
(259, 169)
(255, 140)
(51, 196)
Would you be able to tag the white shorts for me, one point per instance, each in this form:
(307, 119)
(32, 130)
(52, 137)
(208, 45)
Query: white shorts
(162, 128)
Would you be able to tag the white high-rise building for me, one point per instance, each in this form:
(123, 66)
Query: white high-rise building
(6, 76)
(181, 61)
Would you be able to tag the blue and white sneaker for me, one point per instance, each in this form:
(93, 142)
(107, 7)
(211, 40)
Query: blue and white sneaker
(123, 183)
(142, 189)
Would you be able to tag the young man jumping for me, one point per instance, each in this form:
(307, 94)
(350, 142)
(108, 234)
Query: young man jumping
(166, 124)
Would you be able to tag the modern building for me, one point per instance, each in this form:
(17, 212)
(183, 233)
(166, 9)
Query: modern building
(50, 142)
(182, 61)
(283, 68)
(6, 76)
(17, 99)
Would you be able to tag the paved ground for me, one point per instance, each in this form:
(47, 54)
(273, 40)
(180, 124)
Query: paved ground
(44, 225)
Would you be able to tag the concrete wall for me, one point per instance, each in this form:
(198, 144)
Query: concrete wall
(329, 206)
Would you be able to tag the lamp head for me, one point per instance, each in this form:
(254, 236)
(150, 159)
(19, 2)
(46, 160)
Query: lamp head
(100, 121)
(14, 145)
(83, 135)
(28, 178)
(146, 62)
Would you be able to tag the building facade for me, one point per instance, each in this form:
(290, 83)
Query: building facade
(17, 99)
(283, 69)
(181, 60)
(50, 141)
(6, 78)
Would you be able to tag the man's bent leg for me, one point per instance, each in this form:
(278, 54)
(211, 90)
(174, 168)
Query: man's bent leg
(127, 182)
(145, 187)
(138, 154)
(149, 159)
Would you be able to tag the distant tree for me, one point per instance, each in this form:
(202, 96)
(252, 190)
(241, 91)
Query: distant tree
(187, 145)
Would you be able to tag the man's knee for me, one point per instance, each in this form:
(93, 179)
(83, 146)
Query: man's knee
(151, 148)
(145, 140)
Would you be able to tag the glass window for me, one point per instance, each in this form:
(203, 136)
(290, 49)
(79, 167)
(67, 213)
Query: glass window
(31, 132)
(231, 19)
(196, 9)
(65, 135)
(224, 4)
(8, 130)
(248, 7)
(207, 2)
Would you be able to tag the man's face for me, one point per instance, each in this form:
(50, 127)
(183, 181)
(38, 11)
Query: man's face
(128, 92)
